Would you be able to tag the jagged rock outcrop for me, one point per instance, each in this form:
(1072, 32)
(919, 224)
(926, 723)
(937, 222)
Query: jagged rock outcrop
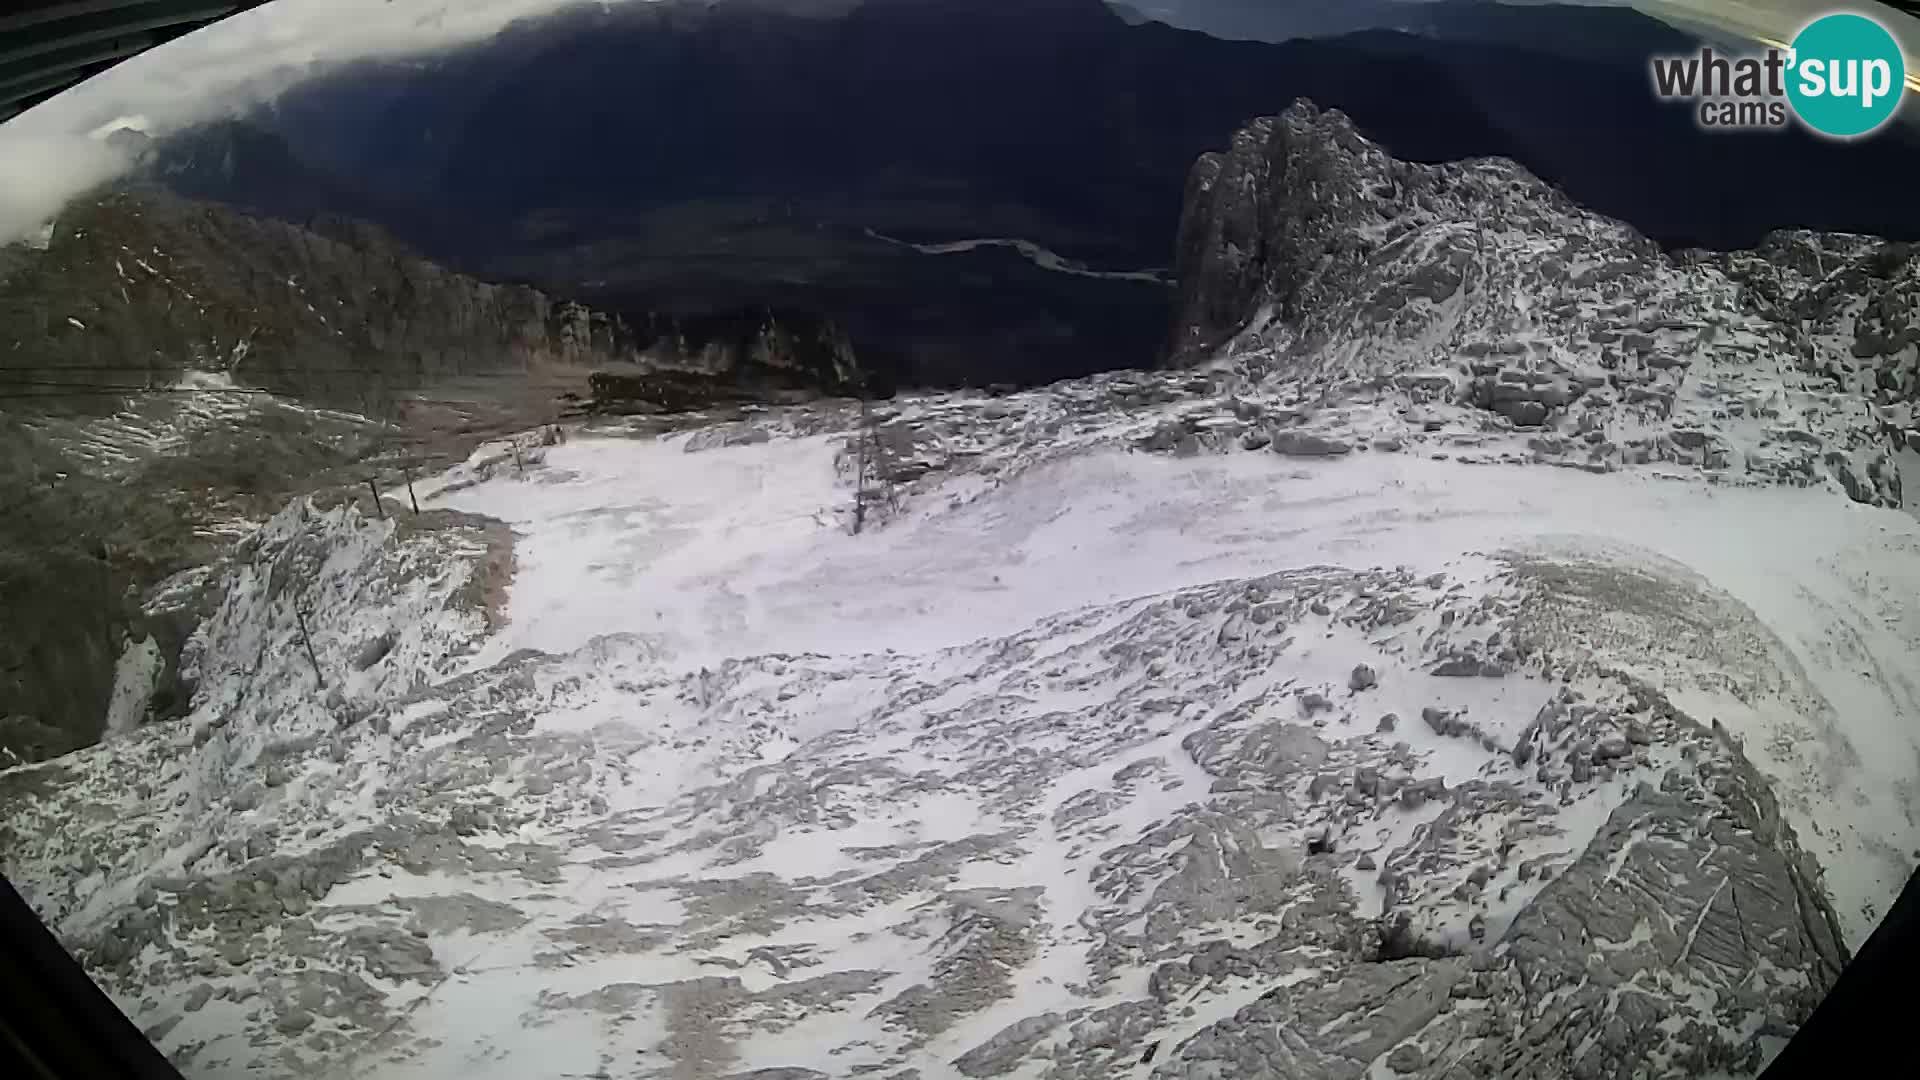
(1471, 303)
(1856, 302)
(1274, 222)
(749, 356)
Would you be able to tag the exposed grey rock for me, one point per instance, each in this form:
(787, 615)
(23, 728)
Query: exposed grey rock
(1468, 667)
(1164, 437)
(1002, 1053)
(373, 650)
(991, 935)
(391, 954)
(1330, 1023)
(1529, 741)
(248, 797)
(1366, 781)
(1304, 444)
(724, 435)
(1444, 722)
(1524, 413)
(1362, 678)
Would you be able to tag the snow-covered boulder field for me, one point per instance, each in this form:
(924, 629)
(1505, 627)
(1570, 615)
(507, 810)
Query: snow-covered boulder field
(1110, 763)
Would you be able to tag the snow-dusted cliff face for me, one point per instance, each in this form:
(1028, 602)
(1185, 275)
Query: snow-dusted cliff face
(1332, 269)
(1288, 716)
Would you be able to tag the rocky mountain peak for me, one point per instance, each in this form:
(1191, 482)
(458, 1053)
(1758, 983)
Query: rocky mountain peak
(1321, 269)
(1269, 220)
(1302, 207)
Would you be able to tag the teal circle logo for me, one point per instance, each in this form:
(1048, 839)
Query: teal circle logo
(1847, 75)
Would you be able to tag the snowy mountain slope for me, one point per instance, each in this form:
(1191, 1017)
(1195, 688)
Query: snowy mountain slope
(1280, 717)
(861, 805)
(732, 576)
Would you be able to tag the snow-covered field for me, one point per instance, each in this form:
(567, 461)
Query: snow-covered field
(739, 551)
(1019, 781)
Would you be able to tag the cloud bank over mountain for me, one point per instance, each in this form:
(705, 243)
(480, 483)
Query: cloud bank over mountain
(52, 152)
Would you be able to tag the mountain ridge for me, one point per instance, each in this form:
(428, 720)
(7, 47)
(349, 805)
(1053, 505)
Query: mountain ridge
(201, 365)
(939, 123)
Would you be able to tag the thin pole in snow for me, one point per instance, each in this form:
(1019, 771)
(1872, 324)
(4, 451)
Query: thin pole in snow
(518, 466)
(377, 508)
(410, 495)
(860, 472)
(300, 617)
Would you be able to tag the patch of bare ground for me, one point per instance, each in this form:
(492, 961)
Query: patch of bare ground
(485, 592)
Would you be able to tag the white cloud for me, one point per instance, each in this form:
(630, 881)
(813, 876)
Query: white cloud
(39, 173)
(1782, 19)
(252, 55)
(47, 155)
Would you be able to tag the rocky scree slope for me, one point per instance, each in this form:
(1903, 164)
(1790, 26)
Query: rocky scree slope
(1265, 827)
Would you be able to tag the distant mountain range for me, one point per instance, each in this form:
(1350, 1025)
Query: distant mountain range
(695, 158)
(1272, 20)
